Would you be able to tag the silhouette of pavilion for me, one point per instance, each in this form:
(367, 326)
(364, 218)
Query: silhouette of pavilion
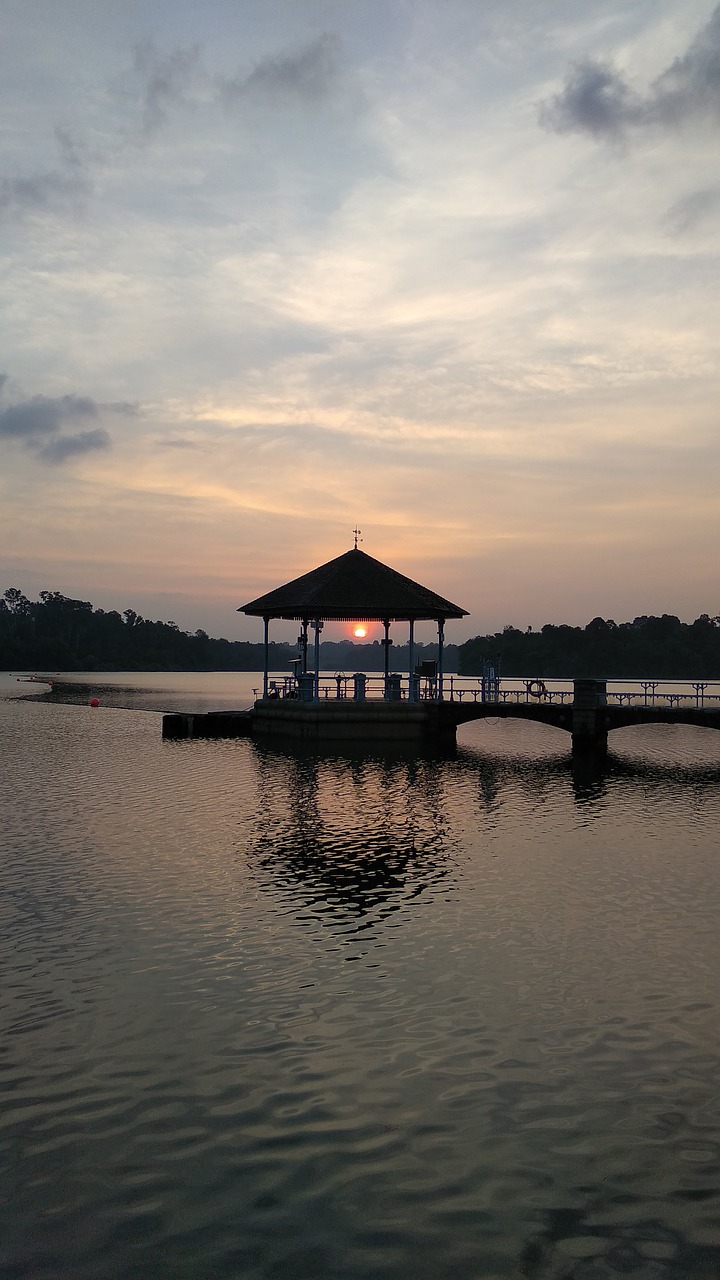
(354, 587)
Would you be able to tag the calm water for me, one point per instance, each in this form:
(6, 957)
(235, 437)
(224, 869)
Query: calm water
(279, 1015)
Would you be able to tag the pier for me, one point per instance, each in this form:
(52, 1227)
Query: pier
(422, 704)
(585, 709)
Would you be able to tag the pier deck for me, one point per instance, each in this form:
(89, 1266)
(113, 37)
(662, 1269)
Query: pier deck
(588, 717)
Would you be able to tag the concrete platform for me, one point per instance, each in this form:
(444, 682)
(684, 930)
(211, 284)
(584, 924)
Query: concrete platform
(343, 720)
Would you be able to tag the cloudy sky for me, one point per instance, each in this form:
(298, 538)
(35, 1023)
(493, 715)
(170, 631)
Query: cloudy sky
(446, 268)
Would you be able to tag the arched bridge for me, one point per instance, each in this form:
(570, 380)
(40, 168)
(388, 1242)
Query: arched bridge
(588, 718)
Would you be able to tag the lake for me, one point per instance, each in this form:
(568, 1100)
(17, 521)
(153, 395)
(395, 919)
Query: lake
(276, 1013)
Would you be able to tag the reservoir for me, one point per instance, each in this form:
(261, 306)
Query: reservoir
(288, 1014)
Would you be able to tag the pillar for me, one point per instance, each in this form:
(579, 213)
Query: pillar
(411, 661)
(589, 727)
(386, 660)
(304, 644)
(318, 628)
(266, 630)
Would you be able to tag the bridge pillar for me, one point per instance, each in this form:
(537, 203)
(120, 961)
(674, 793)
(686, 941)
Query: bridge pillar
(589, 727)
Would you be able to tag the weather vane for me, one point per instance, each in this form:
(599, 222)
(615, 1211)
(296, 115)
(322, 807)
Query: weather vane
(357, 536)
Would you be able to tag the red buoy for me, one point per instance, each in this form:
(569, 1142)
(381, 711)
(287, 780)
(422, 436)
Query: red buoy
(94, 702)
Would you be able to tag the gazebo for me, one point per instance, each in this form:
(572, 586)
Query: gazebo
(354, 587)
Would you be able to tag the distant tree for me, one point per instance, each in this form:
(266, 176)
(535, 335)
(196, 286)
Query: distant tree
(59, 633)
(16, 602)
(660, 647)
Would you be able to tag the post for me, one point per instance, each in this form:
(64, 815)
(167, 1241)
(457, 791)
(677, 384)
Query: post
(266, 631)
(318, 628)
(589, 726)
(441, 638)
(304, 644)
(386, 642)
(411, 661)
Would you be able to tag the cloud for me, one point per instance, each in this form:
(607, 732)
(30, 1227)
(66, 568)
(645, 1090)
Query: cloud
(43, 416)
(60, 448)
(692, 210)
(691, 85)
(177, 443)
(38, 423)
(309, 74)
(62, 187)
(177, 79)
(166, 80)
(596, 99)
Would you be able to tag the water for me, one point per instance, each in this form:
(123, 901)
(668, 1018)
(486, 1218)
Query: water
(275, 1014)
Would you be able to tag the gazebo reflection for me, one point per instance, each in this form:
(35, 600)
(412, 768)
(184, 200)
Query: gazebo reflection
(351, 838)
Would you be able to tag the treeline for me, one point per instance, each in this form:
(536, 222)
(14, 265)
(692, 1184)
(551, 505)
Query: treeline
(60, 634)
(56, 633)
(664, 648)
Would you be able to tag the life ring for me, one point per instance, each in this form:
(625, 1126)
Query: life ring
(536, 688)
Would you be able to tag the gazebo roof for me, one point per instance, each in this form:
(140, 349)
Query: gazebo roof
(353, 587)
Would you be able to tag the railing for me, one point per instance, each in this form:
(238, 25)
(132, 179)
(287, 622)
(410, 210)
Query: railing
(627, 693)
(479, 689)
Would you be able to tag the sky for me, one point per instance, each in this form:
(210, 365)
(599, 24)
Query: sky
(445, 270)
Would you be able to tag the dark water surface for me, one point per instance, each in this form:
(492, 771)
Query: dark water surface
(274, 1015)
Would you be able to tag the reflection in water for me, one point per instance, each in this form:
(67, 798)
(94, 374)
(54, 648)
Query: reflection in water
(357, 834)
(532, 775)
(589, 778)
(516, 1076)
(576, 1245)
(691, 758)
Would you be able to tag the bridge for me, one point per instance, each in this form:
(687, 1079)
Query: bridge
(590, 712)
(364, 708)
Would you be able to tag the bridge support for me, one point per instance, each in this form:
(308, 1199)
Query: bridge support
(589, 721)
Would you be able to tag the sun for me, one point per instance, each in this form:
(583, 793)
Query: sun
(360, 632)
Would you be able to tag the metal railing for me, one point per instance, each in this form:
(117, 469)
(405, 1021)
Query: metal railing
(479, 689)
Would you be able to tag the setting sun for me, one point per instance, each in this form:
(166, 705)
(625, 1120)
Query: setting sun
(360, 632)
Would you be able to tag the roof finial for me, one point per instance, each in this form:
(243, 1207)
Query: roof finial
(357, 534)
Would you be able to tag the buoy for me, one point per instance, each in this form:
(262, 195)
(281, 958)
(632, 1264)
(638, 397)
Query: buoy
(94, 702)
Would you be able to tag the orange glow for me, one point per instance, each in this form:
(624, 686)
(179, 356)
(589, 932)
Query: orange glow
(360, 632)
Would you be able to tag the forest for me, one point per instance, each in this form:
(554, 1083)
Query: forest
(60, 634)
(648, 647)
(56, 633)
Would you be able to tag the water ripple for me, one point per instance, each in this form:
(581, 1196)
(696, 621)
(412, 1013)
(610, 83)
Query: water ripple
(275, 1014)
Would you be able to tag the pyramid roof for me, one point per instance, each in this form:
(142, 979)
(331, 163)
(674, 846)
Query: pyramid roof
(353, 587)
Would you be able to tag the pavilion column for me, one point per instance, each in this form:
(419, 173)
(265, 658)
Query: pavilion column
(386, 659)
(266, 631)
(304, 644)
(441, 639)
(318, 628)
(411, 661)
